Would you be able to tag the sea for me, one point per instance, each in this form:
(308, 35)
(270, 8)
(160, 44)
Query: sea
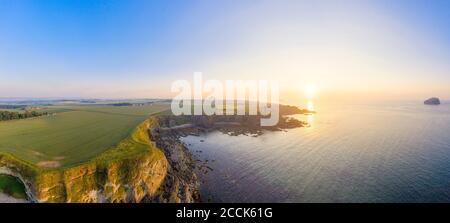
(349, 152)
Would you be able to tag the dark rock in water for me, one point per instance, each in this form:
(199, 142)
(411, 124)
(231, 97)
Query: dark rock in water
(433, 101)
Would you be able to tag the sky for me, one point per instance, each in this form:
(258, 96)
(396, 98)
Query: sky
(380, 50)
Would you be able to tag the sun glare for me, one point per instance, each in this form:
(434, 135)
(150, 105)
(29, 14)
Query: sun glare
(310, 91)
(310, 106)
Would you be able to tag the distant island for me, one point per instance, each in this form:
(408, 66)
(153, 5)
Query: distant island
(432, 101)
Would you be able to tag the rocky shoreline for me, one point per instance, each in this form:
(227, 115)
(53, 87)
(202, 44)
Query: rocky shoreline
(166, 172)
(181, 183)
(185, 169)
(149, 179)
(233, 126)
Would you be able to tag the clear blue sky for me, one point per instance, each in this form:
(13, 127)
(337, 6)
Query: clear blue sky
(61, 48)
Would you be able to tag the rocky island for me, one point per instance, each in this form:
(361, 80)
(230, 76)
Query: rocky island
(432, 101)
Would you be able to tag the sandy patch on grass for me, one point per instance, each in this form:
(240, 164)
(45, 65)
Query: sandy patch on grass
(59, 157)
(49, 164)
(36, 153)
(4, 198)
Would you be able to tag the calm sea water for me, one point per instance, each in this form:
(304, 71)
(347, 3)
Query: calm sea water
(397, 152)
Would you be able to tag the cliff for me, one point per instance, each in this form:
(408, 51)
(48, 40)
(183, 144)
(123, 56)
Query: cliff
(136, 170)
(122, 180)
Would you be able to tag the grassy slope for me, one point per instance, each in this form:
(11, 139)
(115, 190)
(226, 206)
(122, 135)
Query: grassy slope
(74, 135)
(135, 162)
(12, 186)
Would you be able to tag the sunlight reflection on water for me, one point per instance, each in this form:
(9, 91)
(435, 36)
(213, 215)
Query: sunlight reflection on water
(353, 153)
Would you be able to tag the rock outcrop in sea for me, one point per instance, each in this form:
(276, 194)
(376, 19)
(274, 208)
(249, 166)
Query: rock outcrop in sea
(432, 101)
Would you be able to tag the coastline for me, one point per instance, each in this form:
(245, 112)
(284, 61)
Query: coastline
(152, 155)
(169, 138)
(137, 170)
(181, 183)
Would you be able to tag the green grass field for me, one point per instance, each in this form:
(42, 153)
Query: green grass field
(73, 134)
(12, 187)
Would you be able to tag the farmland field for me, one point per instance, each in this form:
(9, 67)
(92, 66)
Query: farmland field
(73, 134)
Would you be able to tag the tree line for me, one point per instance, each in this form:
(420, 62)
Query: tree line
(8, 115)
(12, 106)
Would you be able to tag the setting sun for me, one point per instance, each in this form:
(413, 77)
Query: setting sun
(310, 106)
(310, 90)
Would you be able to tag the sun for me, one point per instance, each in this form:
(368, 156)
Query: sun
(310, 90)
(310, 106)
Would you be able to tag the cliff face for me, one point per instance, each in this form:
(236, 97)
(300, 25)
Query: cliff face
(135, 171)
(128, 180)
(181, 183)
